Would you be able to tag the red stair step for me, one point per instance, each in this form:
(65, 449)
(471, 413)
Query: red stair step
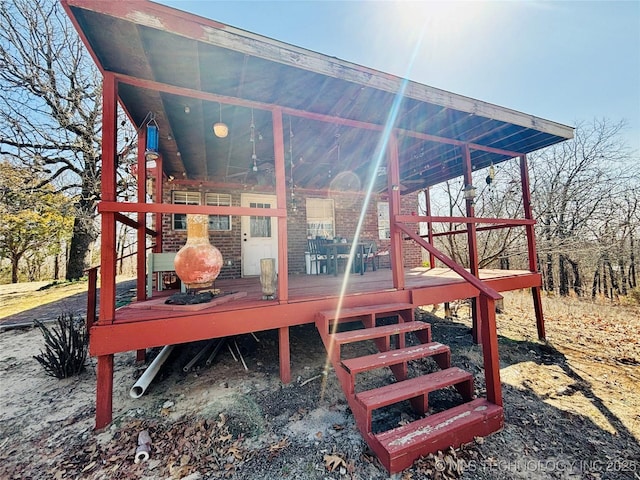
(399, 391)
(353, 312)
(394, 357)
(398, 448)
(378, 332)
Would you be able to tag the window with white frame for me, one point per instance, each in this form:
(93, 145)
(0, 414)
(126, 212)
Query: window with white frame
(219, 222)
(183, 198)
(384, 226)
(320, 218)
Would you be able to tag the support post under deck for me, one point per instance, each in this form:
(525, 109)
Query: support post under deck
(104, 391)
(285, 354)
(531, 244)
(104, 387)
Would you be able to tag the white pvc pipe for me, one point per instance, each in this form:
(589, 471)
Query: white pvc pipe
(149, 374)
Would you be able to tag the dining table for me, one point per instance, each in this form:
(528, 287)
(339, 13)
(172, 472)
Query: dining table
(338, 248)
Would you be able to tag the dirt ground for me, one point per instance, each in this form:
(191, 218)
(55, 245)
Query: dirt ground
(572, 407)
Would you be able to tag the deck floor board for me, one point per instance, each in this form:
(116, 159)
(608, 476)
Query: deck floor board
(307, 288)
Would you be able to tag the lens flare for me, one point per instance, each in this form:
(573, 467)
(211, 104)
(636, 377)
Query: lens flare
(373, 170)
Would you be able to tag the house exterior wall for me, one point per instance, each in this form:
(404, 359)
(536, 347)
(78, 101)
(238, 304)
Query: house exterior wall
(347, 208)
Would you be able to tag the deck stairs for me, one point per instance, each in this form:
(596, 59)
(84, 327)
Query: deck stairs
(399, 447)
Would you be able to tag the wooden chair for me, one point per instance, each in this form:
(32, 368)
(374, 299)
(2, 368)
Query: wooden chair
(373, 255)
(369, 257)
(157, 263)
(383, 253)
(317, 255)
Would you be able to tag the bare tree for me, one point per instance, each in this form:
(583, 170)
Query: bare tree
(586, 198)
(577, 186)
(501, 197)
(50, 110)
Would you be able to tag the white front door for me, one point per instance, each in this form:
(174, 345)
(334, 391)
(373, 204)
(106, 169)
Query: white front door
(259, 234)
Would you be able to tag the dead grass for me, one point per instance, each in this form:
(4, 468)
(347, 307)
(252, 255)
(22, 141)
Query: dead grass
(600, 341)
(571, 398)
(21, 299)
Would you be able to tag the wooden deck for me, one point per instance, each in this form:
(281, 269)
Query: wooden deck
(151, 323)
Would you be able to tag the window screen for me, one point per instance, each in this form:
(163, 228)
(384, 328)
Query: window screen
(219, 222)
(320, 218)
(183, 198)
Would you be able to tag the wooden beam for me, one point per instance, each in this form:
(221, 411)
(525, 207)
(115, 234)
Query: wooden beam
(108, 194)
(281, 200)
(104, 207)
(459, 143)
(134, 334)
(397, 263)
(437, 219)
(528, 214)
(430, 235)
(285, 354)
(531, 245)
(471, 239)
(489, 335)
(478, 229)
(241, 102)
(134, 224)
(92, 281)
(159, 184)
(104, 391)
(212, 97)
(305, 114)
(141, 224)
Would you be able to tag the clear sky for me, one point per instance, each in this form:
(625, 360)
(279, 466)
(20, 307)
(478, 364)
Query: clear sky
(564, 61)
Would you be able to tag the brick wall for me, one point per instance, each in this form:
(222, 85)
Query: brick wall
(228, 242)
(347, 213)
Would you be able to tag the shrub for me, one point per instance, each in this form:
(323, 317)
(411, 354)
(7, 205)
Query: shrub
(65, 344)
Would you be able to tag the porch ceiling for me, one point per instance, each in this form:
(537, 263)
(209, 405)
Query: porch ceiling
(334, 111)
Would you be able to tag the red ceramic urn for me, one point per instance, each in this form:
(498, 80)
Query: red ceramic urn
(198, 263)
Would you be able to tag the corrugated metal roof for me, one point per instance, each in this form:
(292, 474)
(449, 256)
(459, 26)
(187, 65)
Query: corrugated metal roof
(171, 62)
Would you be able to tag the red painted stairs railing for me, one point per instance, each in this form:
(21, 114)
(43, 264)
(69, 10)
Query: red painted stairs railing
(399, 447)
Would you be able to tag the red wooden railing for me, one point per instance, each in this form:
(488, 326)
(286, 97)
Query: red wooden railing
(497, 224)
(92, 290)
(487, 314)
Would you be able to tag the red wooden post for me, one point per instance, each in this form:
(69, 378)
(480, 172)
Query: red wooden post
(158, 199)
(108, 179)
(104, 391)
(472, 242)
(141, 235)
(92, 297)
(281, 201)
(104, 388)
(490, 349)
(397, 264)
(285, 354)
(427, 211)
(531, 244)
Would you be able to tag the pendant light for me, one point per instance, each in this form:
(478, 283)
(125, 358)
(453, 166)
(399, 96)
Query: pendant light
(220, 129)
